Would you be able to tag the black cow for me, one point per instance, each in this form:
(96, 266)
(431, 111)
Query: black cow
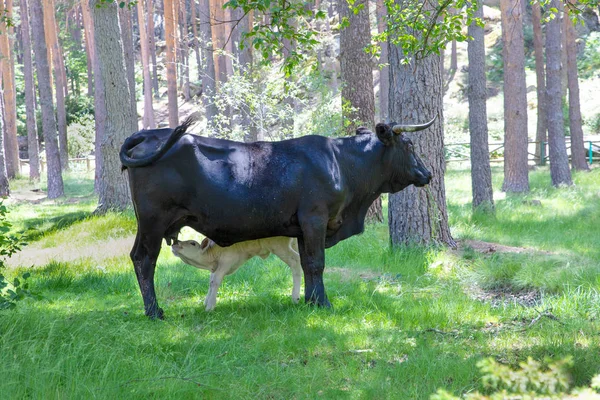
(313, 188)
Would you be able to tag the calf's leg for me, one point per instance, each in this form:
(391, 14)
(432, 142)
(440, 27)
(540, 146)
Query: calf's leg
(216, 278)
(144, 254)
(292, 259)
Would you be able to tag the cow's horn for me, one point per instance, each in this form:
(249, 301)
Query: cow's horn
(398, 129)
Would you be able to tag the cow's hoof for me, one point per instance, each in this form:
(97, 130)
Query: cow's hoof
(156, 314)
(319, 303)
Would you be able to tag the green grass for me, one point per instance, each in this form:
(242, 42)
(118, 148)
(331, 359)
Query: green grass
(405, 322)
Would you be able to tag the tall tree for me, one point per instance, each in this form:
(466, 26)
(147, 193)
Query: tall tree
(152, 42)
(540, 74)
(4, 184)
(32, 136)
(148, 118)
(516, 172)
(578, 159)
(170, 20)
(559, 161)
(481, 173)
(55, 181)
(384, 72)
(209, 81)
(11, 147)
(113, 187)
(358, 97)
(88, 29)
(58, 66)
(419, 215)
(129, 54)
(185, 50)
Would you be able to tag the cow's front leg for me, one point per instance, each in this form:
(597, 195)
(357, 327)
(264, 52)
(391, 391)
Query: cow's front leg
(216, 278)
(312, 257)
(144, 255)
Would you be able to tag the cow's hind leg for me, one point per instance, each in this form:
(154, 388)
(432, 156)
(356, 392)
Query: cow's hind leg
(312, 257)
(144, 254)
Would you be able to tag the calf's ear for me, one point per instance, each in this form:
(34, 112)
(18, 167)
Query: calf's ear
(204, 245)
(384, 133)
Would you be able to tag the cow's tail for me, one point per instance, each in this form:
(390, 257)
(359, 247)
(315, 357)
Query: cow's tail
(132, 141)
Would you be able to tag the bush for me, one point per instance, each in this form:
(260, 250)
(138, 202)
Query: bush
(588, 63)
(81, 136)
(10, 292)
(79, 107)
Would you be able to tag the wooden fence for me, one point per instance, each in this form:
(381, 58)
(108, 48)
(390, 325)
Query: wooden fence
(84, 163)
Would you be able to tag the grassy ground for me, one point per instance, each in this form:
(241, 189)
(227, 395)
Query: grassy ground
(405, 322)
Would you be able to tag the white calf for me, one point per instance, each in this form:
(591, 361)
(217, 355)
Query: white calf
(221, 261)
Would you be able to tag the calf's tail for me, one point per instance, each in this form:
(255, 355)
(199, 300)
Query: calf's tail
(132, 141)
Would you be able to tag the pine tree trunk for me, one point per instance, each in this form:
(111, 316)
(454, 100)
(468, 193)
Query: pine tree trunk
(481, 173)
(578, 159)
(170, 60)
(516, 171)
(540, 74)
(148, 119)
(384, 72)
(59, 78)
(11, 147)
(418, 215)
(358, 99)
(32, 136)
(129, 54)
(209, 81)
(113, 187)
(55, 181)
(185, 51)
(195, 41)
(88, 29)
(453, 57)
(4, 184)
(559, 161)
(152, 42)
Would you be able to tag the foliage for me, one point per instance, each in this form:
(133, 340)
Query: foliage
(18, 289)
(532, 380)
(79, 107)
(82, 135)
(588, 63)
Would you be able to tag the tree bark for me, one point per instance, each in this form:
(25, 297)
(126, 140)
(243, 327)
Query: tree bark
(148, 118)
(559, 161)
(419, 215)
(578, 156)
(516, 171)
(453, 57)
(113, 187)
(209, 81)
(11, 147)
(152, 42)
(129, 54)
(32, 136)
(540, 74)
(55, 181)
(481, 173)
(4, 184)
(170, 59)
(384, 71)
(59, 78)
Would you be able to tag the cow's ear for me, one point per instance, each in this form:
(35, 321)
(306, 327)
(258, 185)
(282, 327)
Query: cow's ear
(361, 130)
(384, 133)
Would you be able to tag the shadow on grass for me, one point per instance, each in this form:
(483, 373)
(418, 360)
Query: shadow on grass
(36, 228)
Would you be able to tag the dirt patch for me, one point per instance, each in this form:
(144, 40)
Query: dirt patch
(35, 256)
(502, 297)
(489, 248)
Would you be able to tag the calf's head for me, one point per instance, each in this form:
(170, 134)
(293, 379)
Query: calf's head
(194, 253)
(404, 165)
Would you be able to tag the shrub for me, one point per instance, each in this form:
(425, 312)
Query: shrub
(81, 136)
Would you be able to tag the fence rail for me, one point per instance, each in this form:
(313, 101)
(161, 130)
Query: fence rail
(460, 152)
(74, 163)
